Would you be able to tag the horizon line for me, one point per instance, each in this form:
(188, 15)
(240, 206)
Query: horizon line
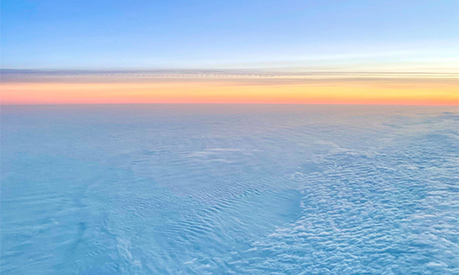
(227, 103)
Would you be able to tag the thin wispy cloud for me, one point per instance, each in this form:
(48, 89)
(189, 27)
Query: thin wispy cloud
(246, 76)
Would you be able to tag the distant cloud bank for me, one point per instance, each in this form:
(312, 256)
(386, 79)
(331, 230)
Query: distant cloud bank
(246, 76)
(227, 86)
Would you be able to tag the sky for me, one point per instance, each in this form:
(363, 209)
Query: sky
(372, 52)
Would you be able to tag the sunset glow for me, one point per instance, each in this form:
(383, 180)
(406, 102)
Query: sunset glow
(322, 92)
(303, 52)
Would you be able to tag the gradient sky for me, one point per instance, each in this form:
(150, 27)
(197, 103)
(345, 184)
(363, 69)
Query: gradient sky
(49, 42)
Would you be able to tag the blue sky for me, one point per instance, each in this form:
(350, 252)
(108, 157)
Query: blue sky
(228, 34)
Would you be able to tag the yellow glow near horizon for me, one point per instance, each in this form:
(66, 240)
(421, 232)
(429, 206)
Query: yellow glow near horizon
(323, 92)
